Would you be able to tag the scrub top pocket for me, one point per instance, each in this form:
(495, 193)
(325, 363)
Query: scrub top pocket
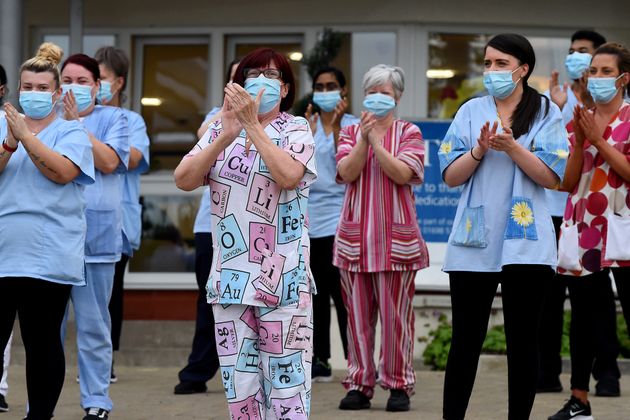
(101, 233)
(521, 223)
(349, 241)
(405, 243)
(471, 229)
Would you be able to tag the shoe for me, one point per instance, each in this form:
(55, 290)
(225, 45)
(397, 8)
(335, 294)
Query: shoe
(398, 400)
(184, 388)
(551, 385)
(574, 409)
(321, 371)
(95, 413)
(113, 378)
(607, 387)
(4, 407)
(355, 400)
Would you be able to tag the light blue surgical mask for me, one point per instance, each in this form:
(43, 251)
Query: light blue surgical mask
(271, 95)
(603, 89)
(36, 105)
(104, 94)
(327, 101)
(379, 104)
(576, 64)
(499, 83)
(82, 95)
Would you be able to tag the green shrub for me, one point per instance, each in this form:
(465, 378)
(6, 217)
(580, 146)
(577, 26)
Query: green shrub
(439, 341)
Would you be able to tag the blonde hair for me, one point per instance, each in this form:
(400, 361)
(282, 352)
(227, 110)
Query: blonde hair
(47, 59)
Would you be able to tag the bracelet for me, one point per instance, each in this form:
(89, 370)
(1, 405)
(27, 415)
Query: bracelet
(473, 156)
(8, 148)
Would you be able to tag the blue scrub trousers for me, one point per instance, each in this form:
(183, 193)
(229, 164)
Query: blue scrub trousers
(94, 341)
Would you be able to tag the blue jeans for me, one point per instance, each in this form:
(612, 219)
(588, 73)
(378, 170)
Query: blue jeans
(94, 341)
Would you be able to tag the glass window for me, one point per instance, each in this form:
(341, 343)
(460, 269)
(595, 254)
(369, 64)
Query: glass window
(173, 98)
(456, 68)
(91, 43)
(167, 234)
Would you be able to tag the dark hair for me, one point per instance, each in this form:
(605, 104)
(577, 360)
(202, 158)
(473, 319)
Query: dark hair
(594, 37)
(228, 72)
(529, 107)
(330, 69)
(262, 57)
(115, 60)
(622, 54)
(3, 81)
(86, 62)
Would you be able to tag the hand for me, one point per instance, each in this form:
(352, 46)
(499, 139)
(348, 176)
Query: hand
(338, 113)
(70, 109)
(503, 142)
(368, 121)
(483, 142)
(230, 125)
(312, 118)
(244, 107)
(558, 93)
(580, 89)
(577, 129)
(18, 130)
(589, 127)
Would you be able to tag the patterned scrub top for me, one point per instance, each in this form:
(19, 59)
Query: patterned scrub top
(600, 191)
(260, 240)
(378, 229)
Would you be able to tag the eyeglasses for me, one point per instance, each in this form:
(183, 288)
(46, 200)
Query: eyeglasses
(268, 73)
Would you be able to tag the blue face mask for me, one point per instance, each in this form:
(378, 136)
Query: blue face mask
(379, 104)
(576, 64)
(82, 95)
(603, 89)
(104, 94)
(499, 83)
(36, 105)
(271, 95)
(327, 101)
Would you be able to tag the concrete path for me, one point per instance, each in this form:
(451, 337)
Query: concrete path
(144, 393)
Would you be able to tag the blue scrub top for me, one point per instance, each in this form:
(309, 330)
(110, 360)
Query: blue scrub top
(557, 200)
(326, 196)
(103, 243)
(203, 221)
(131, 208)
(517, 226)
(42, 223)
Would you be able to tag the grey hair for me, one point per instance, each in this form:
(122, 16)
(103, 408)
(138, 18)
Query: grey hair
(383, 73)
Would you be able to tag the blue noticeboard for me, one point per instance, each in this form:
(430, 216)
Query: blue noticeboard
(436, 203)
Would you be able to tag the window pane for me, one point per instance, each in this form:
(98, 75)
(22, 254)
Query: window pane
(456, 68)
(167, 234)
(173, 99)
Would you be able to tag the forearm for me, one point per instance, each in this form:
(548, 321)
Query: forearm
(617, 160)
(395, 169)
(462, 168)
(191, 171)
(352, 165)
(286, 171)
(51, 164)
(135, 157)
(573, 172)
(105, 158)
(533, 167)
(4, 158)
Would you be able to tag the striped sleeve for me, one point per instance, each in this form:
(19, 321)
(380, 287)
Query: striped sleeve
(411, 151)
(347, 140)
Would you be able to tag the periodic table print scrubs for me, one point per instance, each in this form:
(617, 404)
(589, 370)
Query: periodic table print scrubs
(260, 283)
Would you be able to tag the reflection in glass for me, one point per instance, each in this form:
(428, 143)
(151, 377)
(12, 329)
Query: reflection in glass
(167, 234)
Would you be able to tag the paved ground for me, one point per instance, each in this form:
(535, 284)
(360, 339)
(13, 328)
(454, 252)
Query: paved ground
(146, 393)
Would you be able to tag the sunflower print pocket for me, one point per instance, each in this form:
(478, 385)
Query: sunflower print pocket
(471, 229)
(521, 222)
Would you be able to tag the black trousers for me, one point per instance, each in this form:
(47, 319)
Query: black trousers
(328, 284)
(472, 294)
(552, 322)
(593, 320)
(203, 361)
(116, 301)
(40, 306)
